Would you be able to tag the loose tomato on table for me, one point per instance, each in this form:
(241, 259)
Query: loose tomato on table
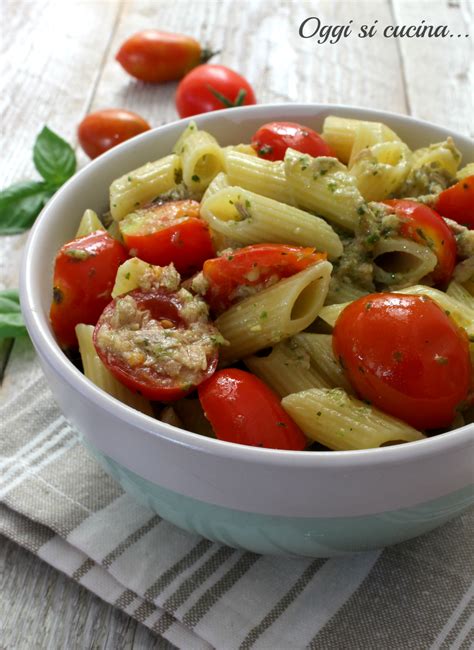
(84, 276)
(156, 57)
(273, 139)
(425, 226)
(242, 409)
(210, 88)
(171, 232)
(404, 355)
(253, 266)
(100, 131)
(457, 202)
(151, 344)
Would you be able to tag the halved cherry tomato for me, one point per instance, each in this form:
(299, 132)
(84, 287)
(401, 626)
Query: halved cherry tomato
(100, 131)
(273, 139)
(425, 226)
(242, 409)
(148, 345)
(157, 57)
(254, 266)
(457, 202)
(403, 354)
(84, 276)
(171, 232)
(210, 88)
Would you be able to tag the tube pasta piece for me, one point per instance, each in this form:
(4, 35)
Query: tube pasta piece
(400, 262)
(258, 175)
(189, 130)
(442, 156)
(464, 172)
(219, 182)
(368, 134)
(169, 416)
(246, 149)
(461, 294)
(114, 231)
(202, 159)
(381, 169)
(144, 184)
(89, 223)
(95, 370)
(323, 185)
(343, 423)
(275, 313)
(249, 218)
(319, 349)
(340, 133)
(287, 369)
(341, 291)
(128, 274)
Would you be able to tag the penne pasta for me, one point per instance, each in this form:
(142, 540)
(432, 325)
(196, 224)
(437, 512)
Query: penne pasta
(89, 223)
(249, 218)
(367, 134)
(464, 172)
(319, 349)
(400, 262)
(275, 313)
(461, 294)
(202, 159)
(219, 182)
(381, 169)
(343, 423)
(95, 370)
(258, 175)
(440, 156)
(341, 132)
(144, 184)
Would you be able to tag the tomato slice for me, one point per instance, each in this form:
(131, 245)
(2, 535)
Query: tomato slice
(254, 267)
(273, 139)
(457, 202)
(425, 226)
(157, 343)
(84, 276)
(403, 354)
(242, 409)
(171, 232)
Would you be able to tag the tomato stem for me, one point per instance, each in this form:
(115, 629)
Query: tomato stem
(207, 54)
(228, 103)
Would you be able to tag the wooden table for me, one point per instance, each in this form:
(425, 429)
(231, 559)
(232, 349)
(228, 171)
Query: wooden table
(58, 65)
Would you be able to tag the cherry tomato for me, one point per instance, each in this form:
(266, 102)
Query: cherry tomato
(151, 348)
(425, 226)
(157, 57)
(84, 276)
(457, 202)
(253, 266)
(172, 232)
(273, 139)
(403, 354)
(242, 409)
(102, 130)
(210, 88)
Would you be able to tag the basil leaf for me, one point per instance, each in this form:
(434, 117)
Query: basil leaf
(11, 320)
(20, 204)
(54, 158)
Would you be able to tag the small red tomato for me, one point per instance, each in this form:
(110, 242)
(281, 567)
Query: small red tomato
(457, 202)
(425, 226)
(157, 57)
(84, 276)
(242, 409)
(403, 354)
(210, 88)
(254, 266)
(273, 139)
(102, 130)
(151, 350)
(172, 232)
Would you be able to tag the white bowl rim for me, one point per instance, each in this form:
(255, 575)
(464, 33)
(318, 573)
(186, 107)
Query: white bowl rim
(43, 339)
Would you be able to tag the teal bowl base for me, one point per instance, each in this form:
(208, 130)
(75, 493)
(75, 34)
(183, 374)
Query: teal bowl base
(277, 535)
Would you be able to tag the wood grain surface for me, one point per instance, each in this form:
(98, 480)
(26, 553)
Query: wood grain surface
(58, 64)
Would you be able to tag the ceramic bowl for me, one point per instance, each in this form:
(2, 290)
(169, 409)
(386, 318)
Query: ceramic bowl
(316, 504)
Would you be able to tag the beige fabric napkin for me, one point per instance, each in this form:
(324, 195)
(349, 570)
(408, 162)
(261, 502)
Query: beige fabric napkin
(57, 502)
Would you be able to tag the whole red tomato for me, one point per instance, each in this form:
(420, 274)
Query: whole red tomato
(403, 354)
(210, 88)
(273, 139)
(102, 130)
(157, 57)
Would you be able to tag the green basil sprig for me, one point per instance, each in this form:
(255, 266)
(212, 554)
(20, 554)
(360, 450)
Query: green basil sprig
(21, 203)
(11, 320)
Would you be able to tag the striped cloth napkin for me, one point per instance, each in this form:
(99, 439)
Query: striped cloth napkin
(58, 503)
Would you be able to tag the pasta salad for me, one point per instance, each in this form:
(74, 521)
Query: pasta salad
(304, 291)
